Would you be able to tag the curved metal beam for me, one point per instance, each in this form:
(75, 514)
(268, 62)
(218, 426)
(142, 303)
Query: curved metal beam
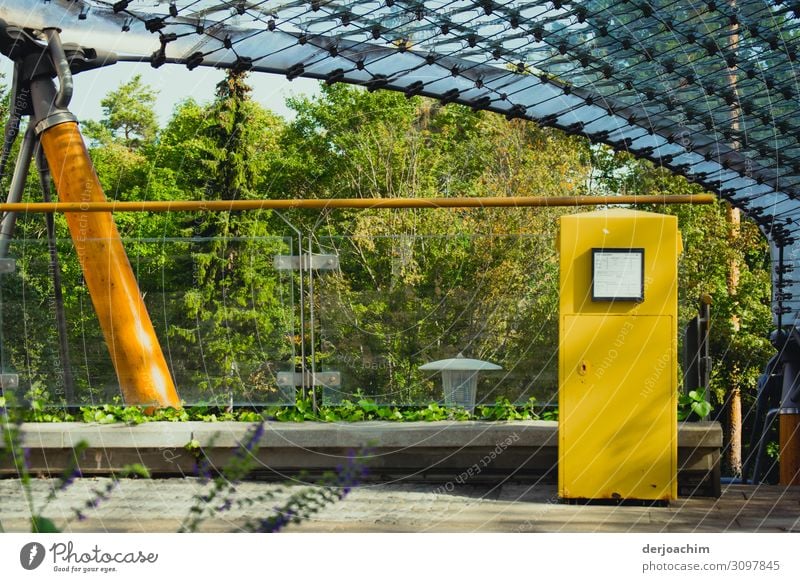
(509, 58)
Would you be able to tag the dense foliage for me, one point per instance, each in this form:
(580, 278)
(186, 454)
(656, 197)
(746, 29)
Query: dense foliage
(413, 286)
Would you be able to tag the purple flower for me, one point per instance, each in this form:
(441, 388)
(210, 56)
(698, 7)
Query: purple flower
(277, 522)
(69, 479)
(252, 440)
(202, 469)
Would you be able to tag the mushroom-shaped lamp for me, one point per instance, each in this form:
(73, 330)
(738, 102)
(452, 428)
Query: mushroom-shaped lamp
(460, 378)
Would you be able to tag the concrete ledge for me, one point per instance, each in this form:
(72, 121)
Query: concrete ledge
(440, 450)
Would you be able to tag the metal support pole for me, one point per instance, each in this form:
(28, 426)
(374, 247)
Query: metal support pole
(780, 290)
(55, 268)
(12, 124)
(769, 420)
(9, 219)
(301, 282)
(138, 360)
(773, 373)
(64, 95)
(316, 398)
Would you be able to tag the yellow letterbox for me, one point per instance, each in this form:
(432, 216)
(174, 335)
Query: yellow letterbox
(618, 356)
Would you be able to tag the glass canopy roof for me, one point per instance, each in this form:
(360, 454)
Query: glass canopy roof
(704, 88)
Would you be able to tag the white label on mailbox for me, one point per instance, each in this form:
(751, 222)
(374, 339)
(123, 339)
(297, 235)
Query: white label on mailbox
(617, 274)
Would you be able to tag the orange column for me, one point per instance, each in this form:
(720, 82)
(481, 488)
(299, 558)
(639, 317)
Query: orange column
(139, 362)
(789, 437)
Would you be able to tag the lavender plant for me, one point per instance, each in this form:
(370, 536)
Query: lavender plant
(220, 494)
(103, 494)
(334, 486)
(20, 456)
(11, 425)
(223, 485)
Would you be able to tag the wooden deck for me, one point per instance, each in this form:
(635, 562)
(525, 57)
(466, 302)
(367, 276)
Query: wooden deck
(160, 505)
(416, 481)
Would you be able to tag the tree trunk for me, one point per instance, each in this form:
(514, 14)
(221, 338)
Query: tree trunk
(735, 393)
(734, 219)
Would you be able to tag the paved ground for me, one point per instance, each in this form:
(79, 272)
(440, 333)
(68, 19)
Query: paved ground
(161, 505)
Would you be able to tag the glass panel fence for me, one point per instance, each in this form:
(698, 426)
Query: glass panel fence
(384, 324)
(224, 316)
(397, 303)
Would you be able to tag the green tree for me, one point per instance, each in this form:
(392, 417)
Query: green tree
(234, 311)
(418, 285)
(128, 115)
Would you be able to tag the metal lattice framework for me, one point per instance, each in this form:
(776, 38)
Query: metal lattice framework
(706, 89)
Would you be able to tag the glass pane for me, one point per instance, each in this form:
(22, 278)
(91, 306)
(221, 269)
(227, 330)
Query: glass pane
(224, 316)
(398, 302)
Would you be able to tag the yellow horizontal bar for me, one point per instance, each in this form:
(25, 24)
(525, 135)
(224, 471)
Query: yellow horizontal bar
(353, 203)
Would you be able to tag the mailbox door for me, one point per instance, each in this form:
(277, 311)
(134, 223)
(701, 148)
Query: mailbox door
(618, 438)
